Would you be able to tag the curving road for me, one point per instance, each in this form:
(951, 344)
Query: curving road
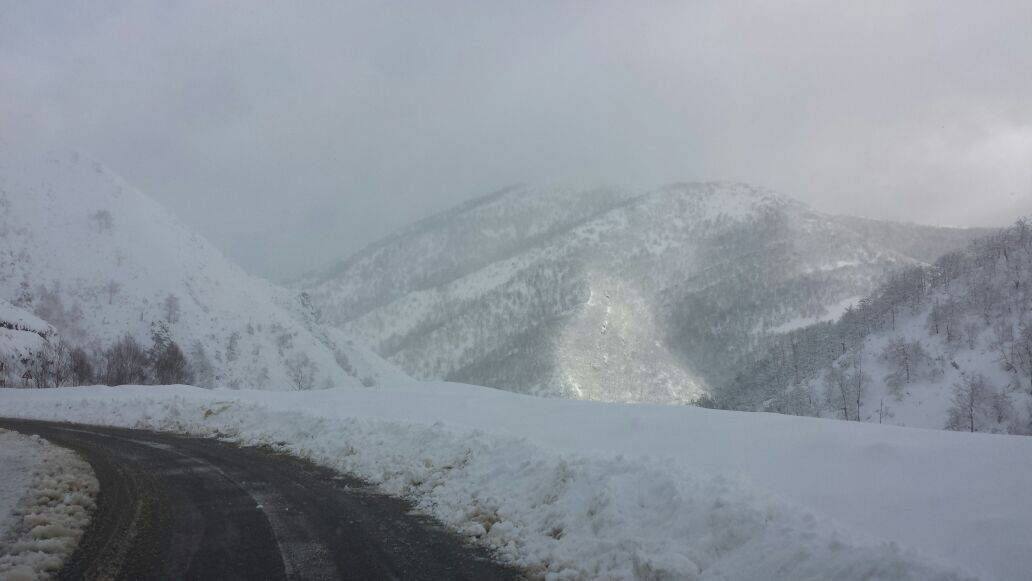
(176, 507)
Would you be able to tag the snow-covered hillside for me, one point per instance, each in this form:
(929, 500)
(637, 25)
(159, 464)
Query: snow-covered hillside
(589, 490)
(609, 294)
(17, 319)
(97, 259)
(942, 346)
(23, 338)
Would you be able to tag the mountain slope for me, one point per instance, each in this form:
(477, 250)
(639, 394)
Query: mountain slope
(606, 294)
(941, 346)
(98, 259)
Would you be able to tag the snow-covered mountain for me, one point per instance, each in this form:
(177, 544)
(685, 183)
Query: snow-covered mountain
(941, 346)
(95, 258)
(609, 294)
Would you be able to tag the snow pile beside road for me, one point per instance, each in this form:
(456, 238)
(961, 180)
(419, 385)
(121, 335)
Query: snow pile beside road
(55, 502)
(19, 455)
(587, 490)
(561, 515)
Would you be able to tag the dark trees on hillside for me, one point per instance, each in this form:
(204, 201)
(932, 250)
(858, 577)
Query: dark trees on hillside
(60, 368)
(301, 371)
(201, 369)
(170, 366)
(172, 309)
(112, 288)
(981, 293)
(125, 363)
(80, 367)
(977, 406)
(103, 220)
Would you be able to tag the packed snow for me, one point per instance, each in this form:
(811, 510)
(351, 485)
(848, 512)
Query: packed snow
(575, 489)
(47, 494)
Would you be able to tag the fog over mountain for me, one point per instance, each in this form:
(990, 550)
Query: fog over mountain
(291, 137)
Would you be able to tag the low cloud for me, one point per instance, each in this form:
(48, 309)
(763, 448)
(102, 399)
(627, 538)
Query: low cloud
(293, 134)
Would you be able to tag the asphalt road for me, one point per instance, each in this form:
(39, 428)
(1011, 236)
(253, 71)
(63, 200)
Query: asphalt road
(177, 507)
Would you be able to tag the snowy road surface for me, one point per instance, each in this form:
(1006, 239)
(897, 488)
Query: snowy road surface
(176, 507)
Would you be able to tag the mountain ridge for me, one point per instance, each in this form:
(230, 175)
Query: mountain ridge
(467, 286)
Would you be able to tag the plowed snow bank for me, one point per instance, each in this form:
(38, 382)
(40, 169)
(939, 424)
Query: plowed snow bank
(577, 490)
(54, 492)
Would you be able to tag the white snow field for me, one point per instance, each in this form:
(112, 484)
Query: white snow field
(46, 496)
(576, 489)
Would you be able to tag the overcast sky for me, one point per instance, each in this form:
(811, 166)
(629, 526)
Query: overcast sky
(293, 133)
